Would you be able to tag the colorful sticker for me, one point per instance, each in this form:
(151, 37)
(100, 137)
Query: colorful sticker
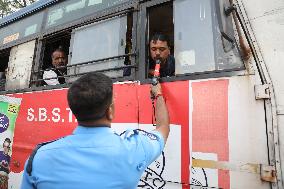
(9, 108)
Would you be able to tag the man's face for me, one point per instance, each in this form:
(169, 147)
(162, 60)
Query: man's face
(159, 50)
(58, 59)
(6, 147)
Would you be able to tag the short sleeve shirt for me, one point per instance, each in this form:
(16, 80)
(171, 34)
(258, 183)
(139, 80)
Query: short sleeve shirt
(50, 74)
(94, 158)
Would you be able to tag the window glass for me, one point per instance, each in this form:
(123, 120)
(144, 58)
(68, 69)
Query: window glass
(199, 46)
(67, 11)
(98, 41)
(20, 29)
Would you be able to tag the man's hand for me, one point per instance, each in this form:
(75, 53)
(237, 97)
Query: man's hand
(156, 90)
(151, 73)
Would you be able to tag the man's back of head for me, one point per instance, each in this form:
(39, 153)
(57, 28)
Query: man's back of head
(90, 96)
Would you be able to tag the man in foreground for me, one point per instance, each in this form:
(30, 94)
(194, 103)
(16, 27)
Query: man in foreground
(94, 156)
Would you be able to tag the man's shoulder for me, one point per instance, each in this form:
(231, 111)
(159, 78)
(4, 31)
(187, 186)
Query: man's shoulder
(52, 144)
(40, 148)
(171, 59)
(145, 135)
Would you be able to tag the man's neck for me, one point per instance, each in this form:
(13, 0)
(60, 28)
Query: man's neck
(97, 123)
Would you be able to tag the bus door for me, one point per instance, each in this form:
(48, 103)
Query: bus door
(218, 133)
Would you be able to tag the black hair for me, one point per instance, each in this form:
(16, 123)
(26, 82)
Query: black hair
(7, 140)
(90, 96)
(160, 37)
(59, 49)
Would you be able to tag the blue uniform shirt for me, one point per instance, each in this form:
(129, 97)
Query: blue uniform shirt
(94, 158)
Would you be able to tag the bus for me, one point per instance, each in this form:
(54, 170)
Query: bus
(226, 98)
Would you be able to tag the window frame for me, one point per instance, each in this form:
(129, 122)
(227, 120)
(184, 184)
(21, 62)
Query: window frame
(37, 67)
(181, 77)
(139, 31)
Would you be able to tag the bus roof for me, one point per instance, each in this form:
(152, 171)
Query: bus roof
(25, 11)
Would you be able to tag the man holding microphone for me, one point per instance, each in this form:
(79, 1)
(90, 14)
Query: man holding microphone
(94, 156)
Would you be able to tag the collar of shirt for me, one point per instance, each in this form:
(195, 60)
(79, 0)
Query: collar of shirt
(92, 130)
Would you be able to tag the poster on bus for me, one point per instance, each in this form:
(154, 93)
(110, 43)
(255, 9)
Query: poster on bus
(9, 108)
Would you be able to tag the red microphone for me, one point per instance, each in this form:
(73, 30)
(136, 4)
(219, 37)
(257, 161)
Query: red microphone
(155, 79)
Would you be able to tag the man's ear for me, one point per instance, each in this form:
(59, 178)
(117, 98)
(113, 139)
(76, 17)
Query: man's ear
(110, 113)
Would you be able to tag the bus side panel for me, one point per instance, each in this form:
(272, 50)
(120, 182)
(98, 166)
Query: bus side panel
(20, 65)
(266, 21)
(175, 158)
(210, 130)
(199, 130)
(208, 120)
(43, 116)
(217, 120)
(228, 128)
(247, 133)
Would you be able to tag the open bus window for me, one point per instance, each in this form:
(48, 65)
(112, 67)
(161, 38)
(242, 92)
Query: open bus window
(199, 45)
(161, 30)
(60, 42)
(4, 60)
(101, 46)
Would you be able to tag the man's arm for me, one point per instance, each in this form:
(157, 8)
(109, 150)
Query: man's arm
(27, 181)
(162, 115)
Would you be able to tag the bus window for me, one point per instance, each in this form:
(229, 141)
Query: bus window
(68, 11)
(21, 59)
(164, 28)
(101, 46)
(21, 29)
(60, 41)
(199, 45)
(128, 46)
(4, 59)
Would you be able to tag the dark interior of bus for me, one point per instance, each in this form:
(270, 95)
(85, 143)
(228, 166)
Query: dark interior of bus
(160, 20)
(128, 47)
(61, 40)
(50, 44)
(4, 60)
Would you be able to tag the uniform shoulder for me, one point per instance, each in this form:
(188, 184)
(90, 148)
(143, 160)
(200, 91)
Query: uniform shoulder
(39, 147)
(153, 135)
